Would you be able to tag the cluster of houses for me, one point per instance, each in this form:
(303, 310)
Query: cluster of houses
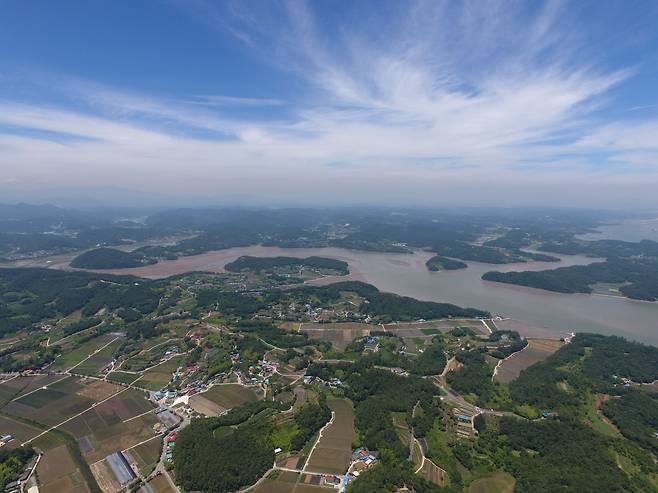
(170, 443)
(334, 383)
(464, 418)
(316, 314)
(362, 459)
(17, 486)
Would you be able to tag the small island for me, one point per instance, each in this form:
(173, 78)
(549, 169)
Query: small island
(260, 264)
(110, 258)
(438, 263)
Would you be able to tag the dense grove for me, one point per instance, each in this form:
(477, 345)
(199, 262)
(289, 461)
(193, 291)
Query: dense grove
(438, 263)
(30, 295)
(590, 363)
(227, 463)
(310, 418)
(638, 276)
(636, 416)
(258, 264)
(110, 258)
(12, 463)
(558, 455)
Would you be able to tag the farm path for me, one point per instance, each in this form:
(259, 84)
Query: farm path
(92, 354)
(59, 341)
(73, 417)
(310, 454)
(39, 388)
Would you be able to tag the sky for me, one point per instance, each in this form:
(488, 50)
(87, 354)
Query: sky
(196, 102)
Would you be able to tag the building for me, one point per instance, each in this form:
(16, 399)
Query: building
(121, 468)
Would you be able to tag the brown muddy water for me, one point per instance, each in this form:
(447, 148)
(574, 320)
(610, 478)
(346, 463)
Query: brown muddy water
(407, 275)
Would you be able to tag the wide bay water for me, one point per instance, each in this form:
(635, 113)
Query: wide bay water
(407, 275)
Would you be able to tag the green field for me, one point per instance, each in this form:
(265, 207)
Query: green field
(158, 377)
(497, 483)
(229, 396)
(99, 360)
(71, 357)
(122, 377)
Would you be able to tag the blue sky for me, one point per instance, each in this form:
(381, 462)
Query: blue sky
(196, 101)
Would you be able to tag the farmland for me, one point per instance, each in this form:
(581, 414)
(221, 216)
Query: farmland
(74, 356)
(21, 431)
(230, 395)
(58, 473)
(147, 454)
(99, 360)
(339, 334)
(117, 424)
(536, 351)
(61, 400)
(159, 376)
(291, 482)
(158, 484)
(333, 451)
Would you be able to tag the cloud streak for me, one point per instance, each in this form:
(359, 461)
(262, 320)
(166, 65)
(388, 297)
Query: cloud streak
(406, 99)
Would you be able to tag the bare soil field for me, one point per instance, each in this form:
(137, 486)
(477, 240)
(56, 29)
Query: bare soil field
(433, 473)
(159, 484)
(289, 482)
(147, 453)
(60, 401)
(21, 431)
(339, 334)
(72, 483)
(55, 463)
(333, 452)
(536, 351)
(102, 439)
(205, 406)
(104, 476)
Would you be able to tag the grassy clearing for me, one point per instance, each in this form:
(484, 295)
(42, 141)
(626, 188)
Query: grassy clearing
(498, 483)
(229, 396)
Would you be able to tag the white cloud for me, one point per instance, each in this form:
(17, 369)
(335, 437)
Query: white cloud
(445, 96)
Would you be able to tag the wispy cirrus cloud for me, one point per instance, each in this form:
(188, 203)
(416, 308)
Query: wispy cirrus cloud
(408, 95)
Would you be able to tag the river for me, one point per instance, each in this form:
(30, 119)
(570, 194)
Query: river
(407, 275)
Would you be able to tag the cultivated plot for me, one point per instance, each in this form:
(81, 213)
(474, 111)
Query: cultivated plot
(61, 400)
(339, 334)
(536, 351)
(71, 357)
(333, 451)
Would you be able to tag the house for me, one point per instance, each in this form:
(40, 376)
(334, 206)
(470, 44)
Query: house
(332, 480)
(278, 450)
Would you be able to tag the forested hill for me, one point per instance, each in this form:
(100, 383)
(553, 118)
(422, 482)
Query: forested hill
(110, 258)
(636, 278)
(258, 264)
